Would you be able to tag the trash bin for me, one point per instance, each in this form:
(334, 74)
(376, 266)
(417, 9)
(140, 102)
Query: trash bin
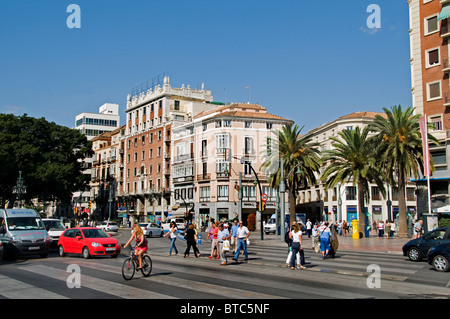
(355, 234)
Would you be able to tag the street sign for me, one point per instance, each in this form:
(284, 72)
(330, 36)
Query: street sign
(264, 197)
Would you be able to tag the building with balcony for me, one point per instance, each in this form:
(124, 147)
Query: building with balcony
(206, 162)
(340, 203)
(150, 118)
(430, 68)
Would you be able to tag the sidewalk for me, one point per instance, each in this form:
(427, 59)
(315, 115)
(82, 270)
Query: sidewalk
(372, 243)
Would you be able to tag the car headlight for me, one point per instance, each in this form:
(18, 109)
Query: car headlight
(16, 239)
(95, 245)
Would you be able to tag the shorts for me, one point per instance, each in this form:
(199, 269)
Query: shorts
(325, 245)
(142, 248)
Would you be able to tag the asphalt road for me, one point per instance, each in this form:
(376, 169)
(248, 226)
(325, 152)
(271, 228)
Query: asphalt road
(351, 275)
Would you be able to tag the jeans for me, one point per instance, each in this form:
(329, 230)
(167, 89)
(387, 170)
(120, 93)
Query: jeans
(241, 245)
(296, 250)
(172, 246)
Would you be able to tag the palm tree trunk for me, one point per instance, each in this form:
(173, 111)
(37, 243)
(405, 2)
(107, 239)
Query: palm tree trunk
(403, 220)
(361, 212)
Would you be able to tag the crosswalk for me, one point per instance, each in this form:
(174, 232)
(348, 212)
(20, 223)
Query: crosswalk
(263, 277)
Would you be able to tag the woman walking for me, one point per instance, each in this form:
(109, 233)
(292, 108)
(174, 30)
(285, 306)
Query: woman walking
(173, 237)
(297, 246)
(213, 236)
(191, 239)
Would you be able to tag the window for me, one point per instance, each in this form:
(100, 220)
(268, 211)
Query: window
(433, 91)
(218, 123)
(431, 25)
(177, 105)
(226, 123)
(437, 121)
(248, 124)
(269, 146)
(432, 57)
(439, 157)
(269, 126)
(204, 194)
(222, 143)
(350, 193)
(222, 166)
(376, 193)
(222, 192)
(205, 126)
(248, 147)
(249, 193)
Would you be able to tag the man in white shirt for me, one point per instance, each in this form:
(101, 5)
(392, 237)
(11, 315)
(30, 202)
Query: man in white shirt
(309, 228)
(242, 234)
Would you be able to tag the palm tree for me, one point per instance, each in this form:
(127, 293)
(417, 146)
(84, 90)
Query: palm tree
(351, 159)
(399, 152)
(298, 153)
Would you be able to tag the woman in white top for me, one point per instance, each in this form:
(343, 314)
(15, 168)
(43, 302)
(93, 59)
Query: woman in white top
(173, 236)
(297, 246)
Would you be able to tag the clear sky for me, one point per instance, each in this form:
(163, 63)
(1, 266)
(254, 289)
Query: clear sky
(309, 61)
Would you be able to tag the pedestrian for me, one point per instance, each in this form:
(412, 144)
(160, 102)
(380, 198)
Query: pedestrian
(296, 252)
(387, 229)
(315, 239)
(309, 228)
(345, 228)
(173, 237)
(191, 240)
(418, 229)
(325, 234)
(392, 229)
(222, 236)
(242, 235)
(212, 234)
(380, 229)
(234, 229)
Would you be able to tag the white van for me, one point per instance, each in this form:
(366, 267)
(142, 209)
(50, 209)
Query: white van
(178, 220)
(55, 228)
(22, 232)
(271, 225)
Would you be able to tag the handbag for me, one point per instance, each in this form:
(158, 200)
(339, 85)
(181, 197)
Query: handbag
(226, 245)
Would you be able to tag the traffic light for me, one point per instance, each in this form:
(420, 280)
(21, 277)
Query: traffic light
(228, 155)
(263, 206)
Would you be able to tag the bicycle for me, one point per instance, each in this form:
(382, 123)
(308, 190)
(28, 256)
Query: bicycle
(130, 264)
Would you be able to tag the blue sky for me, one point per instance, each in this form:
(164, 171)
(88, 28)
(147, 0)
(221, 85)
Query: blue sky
(310, 61)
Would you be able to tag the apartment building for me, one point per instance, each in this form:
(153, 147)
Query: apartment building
(107, 174)
(430, 68)
(150, 118)
(206, 161)
(94, 124)
(340, 203)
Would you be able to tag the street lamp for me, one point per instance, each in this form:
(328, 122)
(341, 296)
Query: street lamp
(20, 189)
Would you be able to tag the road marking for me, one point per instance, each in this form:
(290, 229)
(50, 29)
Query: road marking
(105, 286)
(14, 289)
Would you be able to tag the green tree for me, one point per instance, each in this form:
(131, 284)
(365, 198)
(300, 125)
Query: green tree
(49, 156)
(399, 152)
(298, 153)
(352, 160)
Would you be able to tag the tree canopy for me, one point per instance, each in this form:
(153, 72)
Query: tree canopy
(48, 155)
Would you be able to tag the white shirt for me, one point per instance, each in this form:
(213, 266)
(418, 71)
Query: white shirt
(308, 225)
(296, 236)
(173, 233)
(242, 232)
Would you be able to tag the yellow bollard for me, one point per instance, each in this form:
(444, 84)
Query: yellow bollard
(355, 234)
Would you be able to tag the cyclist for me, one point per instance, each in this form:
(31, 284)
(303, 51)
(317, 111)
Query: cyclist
(141, 243)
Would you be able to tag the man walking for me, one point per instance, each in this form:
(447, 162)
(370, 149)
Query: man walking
(234, 229)
(309, 228)
(242, 236)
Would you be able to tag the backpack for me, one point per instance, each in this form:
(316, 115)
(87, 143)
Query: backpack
(287, 239)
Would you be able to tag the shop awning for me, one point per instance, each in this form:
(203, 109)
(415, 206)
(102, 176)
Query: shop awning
(445, 12)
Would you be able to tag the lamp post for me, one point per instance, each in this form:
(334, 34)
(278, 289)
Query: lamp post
(20, 189)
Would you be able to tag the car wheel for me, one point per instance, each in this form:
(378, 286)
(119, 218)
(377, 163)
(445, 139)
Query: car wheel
(440, 263)
(61, 251)
(86, 254)
(414, 254)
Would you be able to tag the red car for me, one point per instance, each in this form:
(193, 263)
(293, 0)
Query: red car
(88, 241)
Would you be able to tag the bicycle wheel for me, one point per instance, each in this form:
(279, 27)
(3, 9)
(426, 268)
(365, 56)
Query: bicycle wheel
(128, 269)
(146, 265)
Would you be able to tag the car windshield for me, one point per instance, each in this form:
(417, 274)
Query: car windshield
(94, 233)
(24, 223)
(435, 235)
(143, 225)
(53, 225)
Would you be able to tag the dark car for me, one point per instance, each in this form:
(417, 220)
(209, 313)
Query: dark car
(1, 250)
(439, 257)
(417, 249)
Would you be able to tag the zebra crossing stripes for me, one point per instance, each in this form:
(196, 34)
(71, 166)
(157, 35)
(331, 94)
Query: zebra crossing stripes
(14, 289)
(105, 286)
